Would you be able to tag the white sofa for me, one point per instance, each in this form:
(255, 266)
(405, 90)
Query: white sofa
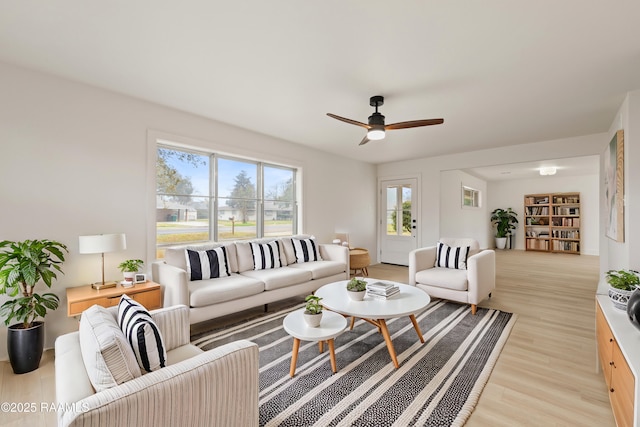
(469, 286)
(246, 287)
(218, 387)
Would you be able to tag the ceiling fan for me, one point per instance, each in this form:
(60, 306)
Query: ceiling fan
(376, 127)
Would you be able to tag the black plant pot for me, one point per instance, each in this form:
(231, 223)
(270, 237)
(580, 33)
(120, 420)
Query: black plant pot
(633, 308)
(25, 347)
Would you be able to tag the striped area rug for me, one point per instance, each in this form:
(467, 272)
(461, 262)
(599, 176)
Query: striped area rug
(438, 382)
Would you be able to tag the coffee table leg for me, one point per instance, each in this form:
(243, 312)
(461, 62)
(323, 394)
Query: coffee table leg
(321, 346)
(387, 339)
(294, 357)
(332, 353)
(417, 327)
(353, 321)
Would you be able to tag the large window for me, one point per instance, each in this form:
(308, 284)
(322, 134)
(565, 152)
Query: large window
(202, 197)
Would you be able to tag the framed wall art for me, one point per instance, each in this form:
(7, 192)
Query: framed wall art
(614, 187)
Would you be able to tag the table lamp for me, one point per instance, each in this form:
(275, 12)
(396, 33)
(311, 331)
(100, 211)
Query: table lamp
(99, 244)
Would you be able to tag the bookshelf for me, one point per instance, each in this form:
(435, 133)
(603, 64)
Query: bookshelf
(552, 222)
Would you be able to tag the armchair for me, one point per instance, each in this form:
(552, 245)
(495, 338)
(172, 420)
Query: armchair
(218, 387)
(469, 286)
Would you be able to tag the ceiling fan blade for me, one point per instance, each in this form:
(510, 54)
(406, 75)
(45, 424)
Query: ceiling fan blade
(364, 140)
(353, 122)
(414, 124)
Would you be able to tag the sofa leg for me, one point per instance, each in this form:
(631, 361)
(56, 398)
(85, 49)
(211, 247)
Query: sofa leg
(489, 294)
(474, 308)
(266, 307)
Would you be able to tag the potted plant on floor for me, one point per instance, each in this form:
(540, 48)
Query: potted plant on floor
(356, 289)
(129, 269)
(22, 266)
(313, 311)
(505, 220)
(622, 283)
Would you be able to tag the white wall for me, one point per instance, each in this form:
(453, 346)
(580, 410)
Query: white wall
(462, 221)
(429, 168)
(623, 255)
(75, 161)
(510, 193)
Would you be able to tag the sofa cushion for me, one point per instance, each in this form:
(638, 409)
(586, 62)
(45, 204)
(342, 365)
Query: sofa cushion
(245, 255)
(320, 269)
(279, 277)
(203, 293)
(209, 264)
(176, 257)
(286, 244)
(452, 257)
(265, 255)
(444, 278)
(142, 333)
(306, 250)
(108, 358)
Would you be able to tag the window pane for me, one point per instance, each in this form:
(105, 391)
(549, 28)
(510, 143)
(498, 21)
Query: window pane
(278, 201)
(181, 221)
(182, 198)
(182, 173)
(237, 179)
(237, 221)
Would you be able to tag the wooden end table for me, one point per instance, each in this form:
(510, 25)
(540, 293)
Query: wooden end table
(332, 325)
(82, 297)
(359, 259)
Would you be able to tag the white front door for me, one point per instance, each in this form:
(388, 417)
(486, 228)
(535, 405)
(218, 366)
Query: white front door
(398, 220)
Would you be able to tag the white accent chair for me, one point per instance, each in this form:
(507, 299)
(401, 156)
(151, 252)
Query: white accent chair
(218, 387)
(469, 286)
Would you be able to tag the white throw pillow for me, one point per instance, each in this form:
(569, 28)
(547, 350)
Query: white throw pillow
(108, 357)
(208, 264)
(306, 250)
(142, 333)
(265, 255)
(452, 256)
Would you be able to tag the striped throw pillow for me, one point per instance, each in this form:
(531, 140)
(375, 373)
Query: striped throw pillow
(306, 250)
(265, 255)
(207, 264)
(142, 333)
(452, 257)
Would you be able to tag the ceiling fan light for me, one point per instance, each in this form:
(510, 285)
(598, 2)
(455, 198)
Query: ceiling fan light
(548, 171)
(375, 134)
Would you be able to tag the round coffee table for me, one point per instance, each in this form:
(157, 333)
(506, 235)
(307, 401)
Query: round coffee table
(331, 325)
(409, 301)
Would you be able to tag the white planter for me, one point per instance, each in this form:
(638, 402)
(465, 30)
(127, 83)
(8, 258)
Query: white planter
(619, 298)
(313, 320)
(356, 295)
(501, 242)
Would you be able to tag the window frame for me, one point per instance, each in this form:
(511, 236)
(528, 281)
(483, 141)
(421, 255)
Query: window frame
(214, 197)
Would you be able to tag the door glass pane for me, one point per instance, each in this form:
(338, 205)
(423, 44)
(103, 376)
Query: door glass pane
(406, 211)
(392, 211)
(278, 205)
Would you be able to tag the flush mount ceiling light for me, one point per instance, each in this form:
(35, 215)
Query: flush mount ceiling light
(548, 170)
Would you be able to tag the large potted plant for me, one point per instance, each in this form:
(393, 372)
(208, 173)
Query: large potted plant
(22, 266)
(505, 220)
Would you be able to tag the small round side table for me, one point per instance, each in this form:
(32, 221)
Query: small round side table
(359, 260)
(331, 325)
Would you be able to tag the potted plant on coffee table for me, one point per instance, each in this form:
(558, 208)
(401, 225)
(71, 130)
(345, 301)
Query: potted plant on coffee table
(313, 311)
(356, 289)
(622, 283)
(23, 265)
(129, 269)
(505, 220)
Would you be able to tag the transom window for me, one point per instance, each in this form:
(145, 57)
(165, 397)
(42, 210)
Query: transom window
(470, 197)
(201, 197)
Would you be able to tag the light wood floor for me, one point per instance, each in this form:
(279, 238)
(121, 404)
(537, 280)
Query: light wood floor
(545, 376)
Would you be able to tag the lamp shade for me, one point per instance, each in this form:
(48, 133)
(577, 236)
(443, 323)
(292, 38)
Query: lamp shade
(101, 243)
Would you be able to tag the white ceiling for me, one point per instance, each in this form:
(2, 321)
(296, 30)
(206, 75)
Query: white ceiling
(500, 72)
(574, 166)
